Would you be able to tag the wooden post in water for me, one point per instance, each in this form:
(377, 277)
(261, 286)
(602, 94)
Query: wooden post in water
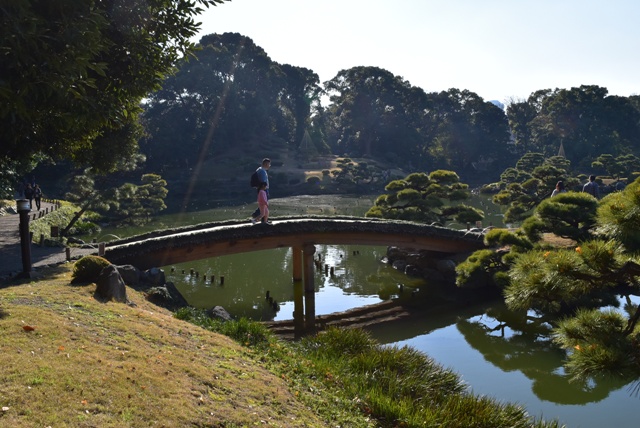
(297, 263)
(309, 312)
(298, 309)
(309, 289)
(307, 254)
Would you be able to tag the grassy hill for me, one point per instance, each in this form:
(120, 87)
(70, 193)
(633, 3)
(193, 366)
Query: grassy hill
(69, 360)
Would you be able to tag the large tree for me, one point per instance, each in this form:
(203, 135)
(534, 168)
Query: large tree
(230, 95)
(585, 121)
(472, 134)
(302, 93)
(519, 114)
(76, 70)
(374, 113)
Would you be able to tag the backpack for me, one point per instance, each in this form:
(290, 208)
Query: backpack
(255, 180)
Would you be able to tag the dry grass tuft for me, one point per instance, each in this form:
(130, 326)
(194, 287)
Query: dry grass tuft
(69, 360)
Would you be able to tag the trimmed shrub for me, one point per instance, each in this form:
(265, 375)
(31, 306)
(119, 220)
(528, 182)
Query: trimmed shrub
(88, 268)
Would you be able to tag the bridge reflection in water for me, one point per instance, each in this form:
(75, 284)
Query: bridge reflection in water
(301, 234)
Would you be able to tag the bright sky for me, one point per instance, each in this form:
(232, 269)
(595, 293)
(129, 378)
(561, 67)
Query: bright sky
(499, 49)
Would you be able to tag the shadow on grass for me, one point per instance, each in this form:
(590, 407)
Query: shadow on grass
(42, 274)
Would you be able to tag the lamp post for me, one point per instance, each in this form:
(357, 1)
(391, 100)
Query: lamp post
(25, 241)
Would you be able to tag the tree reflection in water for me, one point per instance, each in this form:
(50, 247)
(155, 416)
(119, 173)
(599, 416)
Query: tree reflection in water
(511, 342)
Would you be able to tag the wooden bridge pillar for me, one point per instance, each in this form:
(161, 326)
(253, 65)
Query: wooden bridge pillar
(307, 254)
(309, 289)
(309, 312)
(298, 309)
(297, 263)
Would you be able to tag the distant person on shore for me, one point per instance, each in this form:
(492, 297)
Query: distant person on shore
(28, 194)
(37, 195)
(591, 187)
(263, 205)
(559, 188)
(263, 177)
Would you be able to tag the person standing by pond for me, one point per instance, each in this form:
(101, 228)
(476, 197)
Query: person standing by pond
(263, 177)
(591, 187)
(263, 205)
(559, 188)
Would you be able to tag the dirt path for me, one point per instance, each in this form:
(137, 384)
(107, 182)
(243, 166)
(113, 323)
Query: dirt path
(11, 251)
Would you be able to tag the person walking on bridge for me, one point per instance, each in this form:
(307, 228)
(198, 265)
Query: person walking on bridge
(263, 205)
(263, 177)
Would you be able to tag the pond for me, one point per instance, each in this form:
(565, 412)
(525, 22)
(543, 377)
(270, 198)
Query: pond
(493, 352)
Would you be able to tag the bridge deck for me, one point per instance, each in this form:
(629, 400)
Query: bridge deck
(215, 239)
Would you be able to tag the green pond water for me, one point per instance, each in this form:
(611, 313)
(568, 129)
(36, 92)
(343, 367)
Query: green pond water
(495, 355)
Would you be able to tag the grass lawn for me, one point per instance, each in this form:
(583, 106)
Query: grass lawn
(69, 360)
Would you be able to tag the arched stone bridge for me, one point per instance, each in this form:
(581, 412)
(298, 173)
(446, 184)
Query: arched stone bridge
(166, 247)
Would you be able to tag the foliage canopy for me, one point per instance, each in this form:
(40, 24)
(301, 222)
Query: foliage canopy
(574, 287)
(421, 197)
(73, 72)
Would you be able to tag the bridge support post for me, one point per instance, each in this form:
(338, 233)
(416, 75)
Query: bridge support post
(307, 254)
(309, 312)
(298, 309)
(309, 289)
(297, 263)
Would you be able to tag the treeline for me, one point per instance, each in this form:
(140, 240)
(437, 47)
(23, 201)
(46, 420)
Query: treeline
(232, 96)
(229, 99)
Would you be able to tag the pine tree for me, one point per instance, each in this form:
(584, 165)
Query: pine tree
(575, 287)
(427, 198)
